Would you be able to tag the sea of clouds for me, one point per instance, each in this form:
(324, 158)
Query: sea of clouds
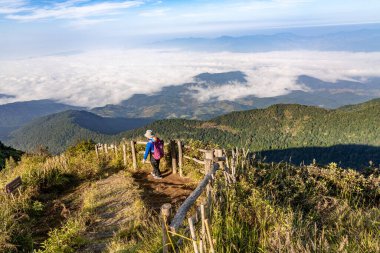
(98, 78)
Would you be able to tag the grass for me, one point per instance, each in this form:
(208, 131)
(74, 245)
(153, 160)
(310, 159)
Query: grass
(67, 238)
(42, 173)
(299, 209)
(271, 208)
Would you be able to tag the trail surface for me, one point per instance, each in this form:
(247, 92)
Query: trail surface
(116, 198)
(170, 189)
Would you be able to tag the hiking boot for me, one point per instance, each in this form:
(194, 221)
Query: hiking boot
(153, 175)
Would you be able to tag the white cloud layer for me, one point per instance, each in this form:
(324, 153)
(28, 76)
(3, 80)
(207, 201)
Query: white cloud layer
(108, 77)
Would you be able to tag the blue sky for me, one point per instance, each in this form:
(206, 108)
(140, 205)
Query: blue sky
(86, 49)
(34, 27)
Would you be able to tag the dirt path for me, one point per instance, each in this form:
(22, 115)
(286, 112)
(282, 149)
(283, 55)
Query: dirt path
(113, 209)
(170, 189)
(117, 201)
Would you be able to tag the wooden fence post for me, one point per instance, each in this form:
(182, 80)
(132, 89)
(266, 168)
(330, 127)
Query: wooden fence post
(97, 152)
(115, 150)
(226, 155)
(193, 236)
(218, 153)
(237, 155)
(124, 154)
(106, 148)
(165, 216)
(208, 165)
(209, 236)
(174, 156)
(203, 218)
(209, 154)
(180, 158)
(134, 158)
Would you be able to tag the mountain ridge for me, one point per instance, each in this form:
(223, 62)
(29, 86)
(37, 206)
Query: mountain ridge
(196, 100)
(61, 130)
(278, 127)
(362, 40)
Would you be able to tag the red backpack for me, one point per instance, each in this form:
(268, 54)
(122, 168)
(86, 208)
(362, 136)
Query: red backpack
(158, 149)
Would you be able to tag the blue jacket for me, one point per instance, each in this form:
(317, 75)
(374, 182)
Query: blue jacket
(149, 149)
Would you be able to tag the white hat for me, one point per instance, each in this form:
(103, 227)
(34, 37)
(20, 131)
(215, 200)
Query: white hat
(149, 134)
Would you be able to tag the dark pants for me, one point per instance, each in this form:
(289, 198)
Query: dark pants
(156, 166)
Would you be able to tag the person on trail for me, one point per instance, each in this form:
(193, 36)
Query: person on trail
(154, 148)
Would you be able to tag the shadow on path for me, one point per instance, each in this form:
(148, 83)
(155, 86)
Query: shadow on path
(170, 189)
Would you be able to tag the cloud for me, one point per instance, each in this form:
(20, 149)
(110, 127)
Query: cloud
(13, 6)
(108, 77)
(71, 9)
(159, 12)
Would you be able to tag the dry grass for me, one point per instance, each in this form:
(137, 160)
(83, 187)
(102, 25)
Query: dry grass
(289, 209)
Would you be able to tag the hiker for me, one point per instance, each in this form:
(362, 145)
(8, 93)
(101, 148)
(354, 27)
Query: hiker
(154, 148)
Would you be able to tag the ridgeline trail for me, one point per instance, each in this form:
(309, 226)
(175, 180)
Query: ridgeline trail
(112, 201)
(117, 197)
(170, 189)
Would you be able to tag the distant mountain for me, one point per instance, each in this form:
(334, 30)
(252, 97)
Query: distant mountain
(220, 79)
(6, 96)
(178, 101)
(60, 130)
(348, 135)
(15, 115)
(183, 101)
(365, 40)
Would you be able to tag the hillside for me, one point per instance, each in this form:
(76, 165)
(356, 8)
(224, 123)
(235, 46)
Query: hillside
(183, 101)
(6, 152)
(280, 132)
(348, 135)
(58, 131)
(15, 115)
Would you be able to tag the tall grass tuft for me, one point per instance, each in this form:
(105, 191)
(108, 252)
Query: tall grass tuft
(284, 208)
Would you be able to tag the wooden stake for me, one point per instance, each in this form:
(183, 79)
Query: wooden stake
(174, 157)
(180, 157)
(237, 155)
(134, 158)
(165, 216)
(106, 148)
(218, 153)
(226, 155)
(209, 236)
(203, 217)
(125, 154)
(97, 152)
(193, 236)
(115, 150)
(208, 164)
(209, 154)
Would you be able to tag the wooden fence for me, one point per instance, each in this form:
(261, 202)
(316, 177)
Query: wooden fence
(174, 228)
(176, 153)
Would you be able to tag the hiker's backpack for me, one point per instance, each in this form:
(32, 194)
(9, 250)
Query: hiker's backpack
(158, 149)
